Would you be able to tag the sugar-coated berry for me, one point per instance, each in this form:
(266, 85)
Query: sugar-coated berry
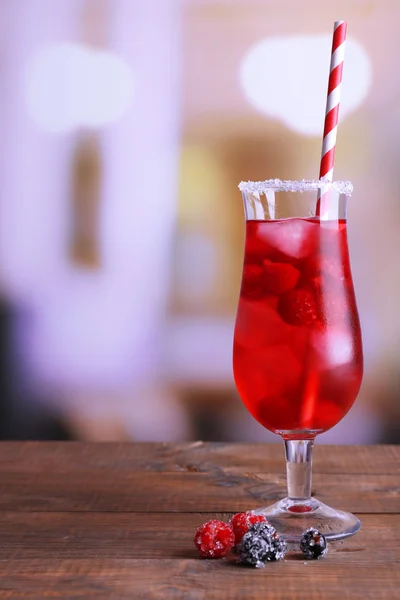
(261, 544)
(263, 529)
(313, 544)
(214, 539)
(242, 521)
(253, 550)
(276, 545)
(278, 548)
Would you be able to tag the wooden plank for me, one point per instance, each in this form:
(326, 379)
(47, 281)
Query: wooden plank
(133, 508)
(109, 490)
(158, 579)
(67, 457)
(159, 535)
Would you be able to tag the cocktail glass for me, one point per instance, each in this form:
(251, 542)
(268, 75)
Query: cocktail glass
(297, 346)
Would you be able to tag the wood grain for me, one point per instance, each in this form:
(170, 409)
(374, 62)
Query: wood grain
(155, 579)
(117, 521)
(160, 535)
(35, 457)
(108, 490)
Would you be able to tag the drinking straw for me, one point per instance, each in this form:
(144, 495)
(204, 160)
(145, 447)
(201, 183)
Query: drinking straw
(326, 171)
(332, 109)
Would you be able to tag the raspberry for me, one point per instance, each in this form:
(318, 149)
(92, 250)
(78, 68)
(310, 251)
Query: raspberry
(242, 521)
(313, 544)
(252, 282)
(214, 539)
(279, 277)
(298, 307)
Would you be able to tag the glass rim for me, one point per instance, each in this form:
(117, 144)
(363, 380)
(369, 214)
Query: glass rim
(301, 185)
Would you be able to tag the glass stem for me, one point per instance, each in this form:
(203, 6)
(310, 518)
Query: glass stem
(299, 468)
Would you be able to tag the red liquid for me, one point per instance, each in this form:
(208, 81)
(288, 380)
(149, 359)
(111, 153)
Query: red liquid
(297, 348)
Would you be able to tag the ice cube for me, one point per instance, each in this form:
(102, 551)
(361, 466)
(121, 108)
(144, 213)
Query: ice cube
(340, 385)
(293, 238)
(334, 346)
(259, 324)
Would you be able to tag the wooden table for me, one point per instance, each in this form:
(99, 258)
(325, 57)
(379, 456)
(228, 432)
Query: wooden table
(117, 521)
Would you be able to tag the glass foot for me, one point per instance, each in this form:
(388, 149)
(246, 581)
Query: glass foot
(290, 518)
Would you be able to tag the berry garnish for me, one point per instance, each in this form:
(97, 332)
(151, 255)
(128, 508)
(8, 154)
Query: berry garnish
(261, 544)
(252, 282)
(313, 544)
(253, 550)
(242, 521)
(298, 307)
(263, 528)
(277, 546)
(214, 539)
(279, 277)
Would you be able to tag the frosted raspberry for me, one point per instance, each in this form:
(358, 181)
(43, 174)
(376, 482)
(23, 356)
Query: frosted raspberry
(242, 521)
(214, 539)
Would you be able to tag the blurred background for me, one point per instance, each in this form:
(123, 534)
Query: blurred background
(126, 126)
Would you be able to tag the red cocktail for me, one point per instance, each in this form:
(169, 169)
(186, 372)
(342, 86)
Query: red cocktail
(297, 349)
(297, 345)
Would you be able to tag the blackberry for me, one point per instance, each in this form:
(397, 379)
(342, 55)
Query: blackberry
(264, 529)
(253, 550)
(261, 544)
(278, 548)
(276, 545)
(313, 544)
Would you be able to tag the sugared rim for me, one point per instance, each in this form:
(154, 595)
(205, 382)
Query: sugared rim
(303, 185)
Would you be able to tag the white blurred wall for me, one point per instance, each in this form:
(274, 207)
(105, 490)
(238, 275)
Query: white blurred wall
(94, 335)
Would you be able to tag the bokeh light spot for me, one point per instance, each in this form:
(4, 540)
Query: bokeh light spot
(70, 85)
(286, 79)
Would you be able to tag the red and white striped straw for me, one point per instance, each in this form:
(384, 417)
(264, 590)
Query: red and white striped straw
(333, 100)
